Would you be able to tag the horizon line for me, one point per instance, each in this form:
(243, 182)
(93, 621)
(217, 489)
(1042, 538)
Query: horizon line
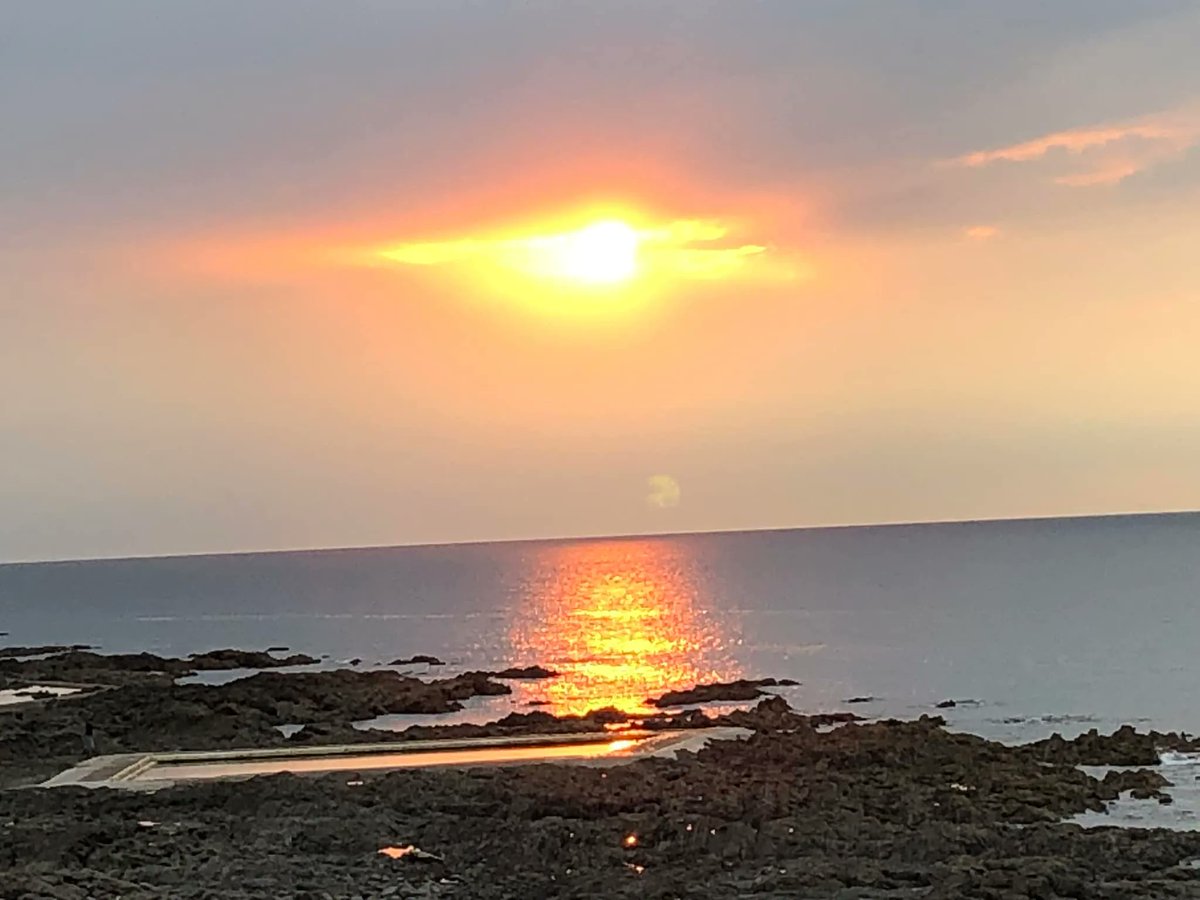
(474, 542)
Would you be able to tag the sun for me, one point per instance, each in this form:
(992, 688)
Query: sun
(605, 257)
(604, 252)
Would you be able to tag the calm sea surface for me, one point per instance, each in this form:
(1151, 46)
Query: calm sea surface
(1043, 625)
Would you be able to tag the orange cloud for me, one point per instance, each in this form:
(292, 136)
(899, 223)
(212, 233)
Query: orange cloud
(982, 232)
(1106, 154)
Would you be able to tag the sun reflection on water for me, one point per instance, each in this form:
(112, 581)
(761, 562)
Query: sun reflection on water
(620, 621)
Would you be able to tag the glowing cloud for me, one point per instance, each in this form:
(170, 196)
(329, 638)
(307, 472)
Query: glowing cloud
(605, 251)
(1106, 154)
(664, 492)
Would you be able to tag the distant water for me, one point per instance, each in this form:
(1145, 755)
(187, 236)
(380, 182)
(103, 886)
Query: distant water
(1046, 625)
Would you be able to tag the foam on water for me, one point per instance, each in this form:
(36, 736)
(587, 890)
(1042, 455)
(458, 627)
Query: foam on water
(1182, 770)
(29, 694)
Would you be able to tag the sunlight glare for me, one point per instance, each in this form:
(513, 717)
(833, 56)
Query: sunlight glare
(601, 253)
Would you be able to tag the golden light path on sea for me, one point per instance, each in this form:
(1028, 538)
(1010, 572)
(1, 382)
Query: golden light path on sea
(621, 621)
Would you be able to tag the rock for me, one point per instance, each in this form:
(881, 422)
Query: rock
(946, 704)
(1124, 747)
(720, 692)
(538, 703)
(78, 666)
(87, 667)
(246, 659)
(356, 661)
(417, 660)
(1143, 784)
(880, 811)
(11, 652)
(280, 649)
(529, 672)
(866, 699)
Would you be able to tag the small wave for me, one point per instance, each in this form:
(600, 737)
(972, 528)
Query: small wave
(1175, 758)
(1045, 720)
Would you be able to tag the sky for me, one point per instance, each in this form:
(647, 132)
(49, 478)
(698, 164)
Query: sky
(274, 274)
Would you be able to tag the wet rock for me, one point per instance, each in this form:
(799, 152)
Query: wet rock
(87, 667)
(865, 699)
(246, 659)
(10, 652)
(417, 660)
(1143, 784)
(1124, 747)
(946, 704)
(81, 666)
(528, 672)
(720, 692)
(775, 714)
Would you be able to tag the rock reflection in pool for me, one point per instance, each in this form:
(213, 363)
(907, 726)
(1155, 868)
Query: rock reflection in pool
(621, 621)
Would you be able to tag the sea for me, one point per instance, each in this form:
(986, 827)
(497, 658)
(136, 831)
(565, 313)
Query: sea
(1029, 627)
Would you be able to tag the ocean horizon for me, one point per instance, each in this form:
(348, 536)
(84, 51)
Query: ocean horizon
(1028, 625)
(615, 536)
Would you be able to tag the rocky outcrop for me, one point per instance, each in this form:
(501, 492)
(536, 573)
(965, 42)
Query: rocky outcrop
(1124, 747)
(721, 692)
(12, 652)
(246, 659)
(528, 672)
(88, 667)
(83, 666)
(419, 659)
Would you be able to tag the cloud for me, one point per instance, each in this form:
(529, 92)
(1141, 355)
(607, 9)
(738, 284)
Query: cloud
(982, 232)
(685, 248)
(663, 493)
(1102, 154)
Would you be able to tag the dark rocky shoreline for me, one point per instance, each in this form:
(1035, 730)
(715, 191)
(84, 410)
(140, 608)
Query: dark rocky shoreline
(868, 810)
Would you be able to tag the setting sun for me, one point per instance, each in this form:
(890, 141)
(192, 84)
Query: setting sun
(601, 253)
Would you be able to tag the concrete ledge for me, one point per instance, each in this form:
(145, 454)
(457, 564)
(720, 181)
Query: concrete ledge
(152, 771)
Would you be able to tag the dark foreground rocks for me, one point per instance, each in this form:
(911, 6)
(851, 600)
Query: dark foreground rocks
(248, 712)
(799, 810)
(885, 810)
